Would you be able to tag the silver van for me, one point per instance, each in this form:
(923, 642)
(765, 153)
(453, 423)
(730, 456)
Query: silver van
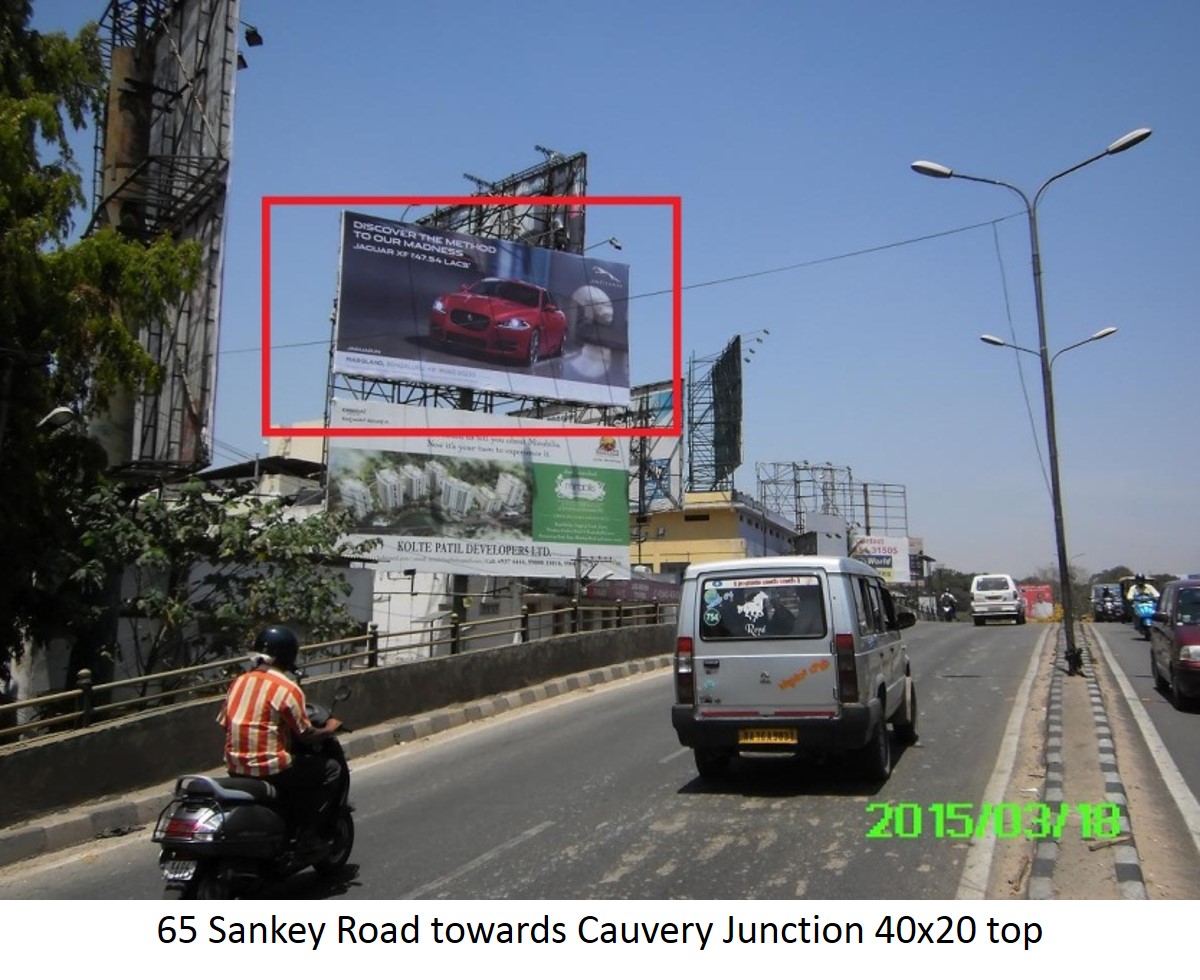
(787, 655)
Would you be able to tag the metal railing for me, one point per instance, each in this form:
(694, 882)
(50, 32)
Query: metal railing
(89, 703)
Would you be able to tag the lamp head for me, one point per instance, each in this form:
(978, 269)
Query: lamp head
(928, 168)
(253, 38)
(1101, 334)
(58, 418)
(1128, 141)
(987, 338)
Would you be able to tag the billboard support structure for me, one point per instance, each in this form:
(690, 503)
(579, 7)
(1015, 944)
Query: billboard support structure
(797, 489)
(560, 227)
(162, 157)
(714, 419)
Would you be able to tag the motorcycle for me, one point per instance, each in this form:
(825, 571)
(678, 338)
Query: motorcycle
(1143, 608)
(226, 837)
(1111, 610)
(948, 612)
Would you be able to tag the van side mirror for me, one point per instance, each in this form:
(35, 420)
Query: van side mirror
(905, 618)
(1159, 617)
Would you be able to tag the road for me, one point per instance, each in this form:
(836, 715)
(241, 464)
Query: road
(1177, 729)
(590, 796)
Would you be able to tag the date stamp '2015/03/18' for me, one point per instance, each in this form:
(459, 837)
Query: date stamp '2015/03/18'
(1034, 821)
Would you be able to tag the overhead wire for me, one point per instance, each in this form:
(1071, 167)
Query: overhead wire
(775, 270)
(1012, 333)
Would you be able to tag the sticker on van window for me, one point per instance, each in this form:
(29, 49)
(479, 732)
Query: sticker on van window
(763, 607)
(714, 598)
(758, 583)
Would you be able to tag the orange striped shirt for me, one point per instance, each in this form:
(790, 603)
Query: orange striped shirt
(263, 711)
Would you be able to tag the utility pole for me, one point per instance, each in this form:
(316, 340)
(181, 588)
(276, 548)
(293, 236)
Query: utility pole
(460, 585)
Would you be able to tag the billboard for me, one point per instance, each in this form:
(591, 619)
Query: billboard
(888, 556)
(481, 505)
(428, 306)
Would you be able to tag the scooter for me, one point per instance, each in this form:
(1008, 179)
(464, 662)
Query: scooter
(226, 837)
(1143, 608)
(948, 612)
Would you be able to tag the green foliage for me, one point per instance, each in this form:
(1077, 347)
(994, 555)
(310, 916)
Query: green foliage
(207, 567)
(70, 316)
(1114, 574)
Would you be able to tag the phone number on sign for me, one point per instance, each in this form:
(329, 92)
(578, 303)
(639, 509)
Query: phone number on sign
(1034, 821)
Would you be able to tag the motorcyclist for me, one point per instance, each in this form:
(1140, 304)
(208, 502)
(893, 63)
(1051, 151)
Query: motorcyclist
(265, 716)
(948, 603)
(1141, 589)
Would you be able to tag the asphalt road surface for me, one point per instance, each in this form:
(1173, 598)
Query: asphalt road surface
(590, 796)
(1177, 729)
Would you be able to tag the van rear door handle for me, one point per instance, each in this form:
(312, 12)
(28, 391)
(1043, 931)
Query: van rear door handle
(712, 664)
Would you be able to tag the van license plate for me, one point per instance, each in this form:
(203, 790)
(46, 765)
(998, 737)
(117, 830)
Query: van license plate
(767, 736)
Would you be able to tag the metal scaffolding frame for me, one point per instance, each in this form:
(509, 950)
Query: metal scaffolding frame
(561, 227)
(713, 419)
(162, 157)
(797, 489)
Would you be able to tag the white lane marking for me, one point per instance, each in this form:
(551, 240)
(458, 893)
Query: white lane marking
(1177, 786)
(479, 861)
(978, 866)
(673, 756)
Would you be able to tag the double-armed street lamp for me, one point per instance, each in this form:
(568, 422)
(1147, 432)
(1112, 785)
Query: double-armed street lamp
(930, 169)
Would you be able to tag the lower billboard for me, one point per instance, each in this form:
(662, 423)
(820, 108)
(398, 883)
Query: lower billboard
(520, 506)
(888, 556)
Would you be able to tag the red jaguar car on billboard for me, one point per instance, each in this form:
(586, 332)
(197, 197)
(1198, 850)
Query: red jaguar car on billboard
(504, 317)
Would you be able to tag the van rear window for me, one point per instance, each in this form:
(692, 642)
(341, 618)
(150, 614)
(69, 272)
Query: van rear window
(993, 584)
(762, 607)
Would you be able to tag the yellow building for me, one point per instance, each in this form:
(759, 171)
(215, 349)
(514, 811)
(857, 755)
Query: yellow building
(710, 526)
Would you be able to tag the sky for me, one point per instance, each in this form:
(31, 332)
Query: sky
(788, 129)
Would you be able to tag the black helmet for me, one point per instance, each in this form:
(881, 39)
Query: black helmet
(1140, 580)
(280, 644)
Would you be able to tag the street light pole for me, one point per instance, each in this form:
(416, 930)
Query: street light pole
(929, 169)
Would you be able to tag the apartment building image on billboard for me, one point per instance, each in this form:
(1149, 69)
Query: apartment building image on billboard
(481, 505)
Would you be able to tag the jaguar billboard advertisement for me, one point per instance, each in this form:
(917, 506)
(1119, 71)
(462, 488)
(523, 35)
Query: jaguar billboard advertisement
(481, 505)
(430, 306)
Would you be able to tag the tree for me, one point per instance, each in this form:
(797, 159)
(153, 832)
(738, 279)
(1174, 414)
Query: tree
(206, 567)
(72, 311)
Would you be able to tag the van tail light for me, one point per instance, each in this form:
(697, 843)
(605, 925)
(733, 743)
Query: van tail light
(843, 650)
(685, 684)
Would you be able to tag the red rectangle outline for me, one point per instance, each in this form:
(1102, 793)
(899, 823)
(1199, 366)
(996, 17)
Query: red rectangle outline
(675, 429)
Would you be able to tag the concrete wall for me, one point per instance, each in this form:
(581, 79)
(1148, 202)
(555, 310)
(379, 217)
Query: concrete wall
(150, 748)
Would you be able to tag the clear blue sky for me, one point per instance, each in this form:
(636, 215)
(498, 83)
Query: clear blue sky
(788, 128)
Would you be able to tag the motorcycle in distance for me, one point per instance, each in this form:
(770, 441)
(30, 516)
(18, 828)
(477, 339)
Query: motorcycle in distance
(1143, 608)
(1112, 609)
(948, 610)
(226, 837)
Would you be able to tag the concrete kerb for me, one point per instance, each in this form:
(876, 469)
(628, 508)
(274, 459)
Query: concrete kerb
(1126, 861)
(136, 813)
